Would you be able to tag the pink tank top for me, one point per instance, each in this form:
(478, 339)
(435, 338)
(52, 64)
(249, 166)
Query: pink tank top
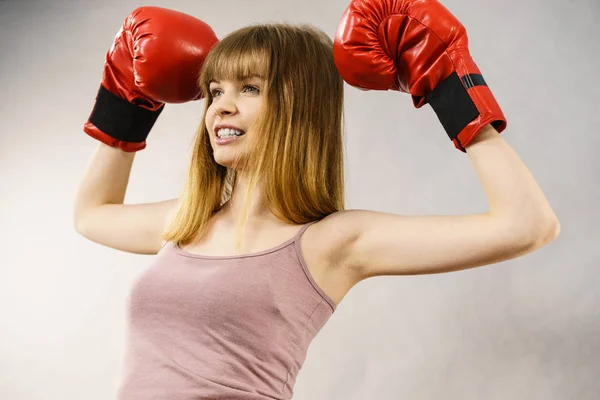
(231, 327)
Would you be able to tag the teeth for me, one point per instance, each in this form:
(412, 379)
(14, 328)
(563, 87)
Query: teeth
(227, 132)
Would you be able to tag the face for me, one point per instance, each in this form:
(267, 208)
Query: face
(234, 109)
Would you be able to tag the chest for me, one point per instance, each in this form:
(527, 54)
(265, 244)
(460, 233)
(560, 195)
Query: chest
(314, 251)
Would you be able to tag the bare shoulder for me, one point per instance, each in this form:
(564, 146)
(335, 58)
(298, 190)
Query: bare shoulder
(326, 240)
(322, 248)
(172, 209)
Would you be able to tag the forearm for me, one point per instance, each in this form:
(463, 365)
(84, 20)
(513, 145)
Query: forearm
(105, 179)
(511, 189)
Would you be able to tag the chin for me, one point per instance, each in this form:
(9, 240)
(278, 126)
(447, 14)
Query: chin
(227, 158)
(225, 162)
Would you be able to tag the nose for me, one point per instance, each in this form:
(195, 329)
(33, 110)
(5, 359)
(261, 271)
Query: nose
(225, 105)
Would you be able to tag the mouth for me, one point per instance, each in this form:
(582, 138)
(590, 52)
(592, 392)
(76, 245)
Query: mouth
(227, 131)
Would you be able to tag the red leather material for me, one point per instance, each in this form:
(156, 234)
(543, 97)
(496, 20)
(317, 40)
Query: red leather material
(410, 46)
(156, 58)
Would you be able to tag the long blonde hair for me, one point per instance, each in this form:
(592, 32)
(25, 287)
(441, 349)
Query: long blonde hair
(298, 149)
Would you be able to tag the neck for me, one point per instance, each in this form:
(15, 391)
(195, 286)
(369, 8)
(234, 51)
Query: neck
(258, 212)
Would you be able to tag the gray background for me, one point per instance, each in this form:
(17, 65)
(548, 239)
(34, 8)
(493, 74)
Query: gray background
(523, 329)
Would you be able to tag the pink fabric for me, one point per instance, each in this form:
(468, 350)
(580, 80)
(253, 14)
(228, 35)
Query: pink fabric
(236, 327)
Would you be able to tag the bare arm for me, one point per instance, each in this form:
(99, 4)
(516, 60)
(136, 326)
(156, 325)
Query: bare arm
(100, 215)
(104, 181)
(520, 220)
(510, 188)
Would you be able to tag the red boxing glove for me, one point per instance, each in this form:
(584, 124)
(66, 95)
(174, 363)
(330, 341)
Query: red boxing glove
(155, 59)
(417, 47)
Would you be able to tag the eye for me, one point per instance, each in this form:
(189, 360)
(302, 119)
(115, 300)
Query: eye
(252, 88)
(246, 88)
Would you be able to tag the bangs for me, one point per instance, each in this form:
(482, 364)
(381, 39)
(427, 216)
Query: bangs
(239, 56)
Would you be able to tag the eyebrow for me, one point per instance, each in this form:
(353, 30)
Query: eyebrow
(246, 78)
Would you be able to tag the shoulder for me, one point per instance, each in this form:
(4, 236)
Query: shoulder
(323, 251)
(172, 206)
(328, 237)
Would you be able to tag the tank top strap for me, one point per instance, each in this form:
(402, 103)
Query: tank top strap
(302, 230)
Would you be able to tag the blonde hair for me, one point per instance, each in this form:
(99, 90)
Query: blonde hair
(298, 149)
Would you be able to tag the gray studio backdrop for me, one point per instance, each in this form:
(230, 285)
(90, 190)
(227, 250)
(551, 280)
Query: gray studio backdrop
(523, 329)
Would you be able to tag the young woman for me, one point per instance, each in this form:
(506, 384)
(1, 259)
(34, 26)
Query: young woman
(258, 251)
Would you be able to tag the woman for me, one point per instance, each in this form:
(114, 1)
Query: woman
(258, 251)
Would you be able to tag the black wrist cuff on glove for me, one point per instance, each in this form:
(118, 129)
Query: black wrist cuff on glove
(120, 119)
(452, 103)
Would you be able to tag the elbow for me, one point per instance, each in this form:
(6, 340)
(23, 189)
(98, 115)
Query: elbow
(553, 231)
(542, 233)
(76, 221)
(78, 225)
